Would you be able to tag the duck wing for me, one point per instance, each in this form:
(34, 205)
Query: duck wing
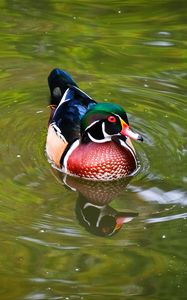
(72, 107)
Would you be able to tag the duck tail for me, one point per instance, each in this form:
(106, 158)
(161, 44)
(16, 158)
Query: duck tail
(59, 81)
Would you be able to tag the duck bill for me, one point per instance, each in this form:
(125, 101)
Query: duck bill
(131, 134)
(122, 220)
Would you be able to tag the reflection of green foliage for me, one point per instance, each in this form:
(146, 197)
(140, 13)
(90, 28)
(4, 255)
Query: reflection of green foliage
(70, 34)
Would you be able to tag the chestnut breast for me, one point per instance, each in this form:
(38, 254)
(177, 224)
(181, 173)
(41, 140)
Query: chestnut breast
(101, 161)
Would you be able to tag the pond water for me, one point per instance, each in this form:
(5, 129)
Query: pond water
(129, 52)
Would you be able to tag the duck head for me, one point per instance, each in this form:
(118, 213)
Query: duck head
(104, 121)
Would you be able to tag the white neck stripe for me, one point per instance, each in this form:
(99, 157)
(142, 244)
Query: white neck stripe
(125, 145)
(106, 139)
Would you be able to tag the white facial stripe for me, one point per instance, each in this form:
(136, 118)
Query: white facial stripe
(119, 118)
(107, 139)
(102, 124)
(92, 124)
(106, 135)
(117, 115)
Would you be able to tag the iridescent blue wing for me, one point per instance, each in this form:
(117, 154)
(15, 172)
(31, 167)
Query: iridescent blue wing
(69, 112)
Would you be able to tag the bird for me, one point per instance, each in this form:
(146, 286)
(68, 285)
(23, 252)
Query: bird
(87, 138)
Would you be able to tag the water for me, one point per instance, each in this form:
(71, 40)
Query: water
(129, 52)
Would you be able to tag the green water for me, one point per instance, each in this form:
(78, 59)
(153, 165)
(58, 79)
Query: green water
(133, 53)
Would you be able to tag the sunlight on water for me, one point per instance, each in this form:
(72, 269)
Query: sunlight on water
(59, 238)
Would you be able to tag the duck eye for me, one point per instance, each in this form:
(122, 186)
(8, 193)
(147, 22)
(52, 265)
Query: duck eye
(111, 119)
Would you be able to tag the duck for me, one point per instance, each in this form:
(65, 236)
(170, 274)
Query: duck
(87, 138)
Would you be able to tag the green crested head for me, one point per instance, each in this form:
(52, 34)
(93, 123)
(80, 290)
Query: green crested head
(103, 121)
(101, 111)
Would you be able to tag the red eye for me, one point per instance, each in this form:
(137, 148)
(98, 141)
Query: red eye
(112, 119)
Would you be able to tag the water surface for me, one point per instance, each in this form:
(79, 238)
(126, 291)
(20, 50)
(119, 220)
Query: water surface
(129, 52)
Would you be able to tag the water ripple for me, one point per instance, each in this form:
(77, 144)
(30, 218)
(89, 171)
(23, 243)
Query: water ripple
(160, 43)
(47, 244)
(155, 194)
(167, 218)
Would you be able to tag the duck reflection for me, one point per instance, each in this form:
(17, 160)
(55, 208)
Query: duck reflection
(92, 206)
(102, 220)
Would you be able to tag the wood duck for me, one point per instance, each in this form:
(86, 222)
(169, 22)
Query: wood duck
(88, 139)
